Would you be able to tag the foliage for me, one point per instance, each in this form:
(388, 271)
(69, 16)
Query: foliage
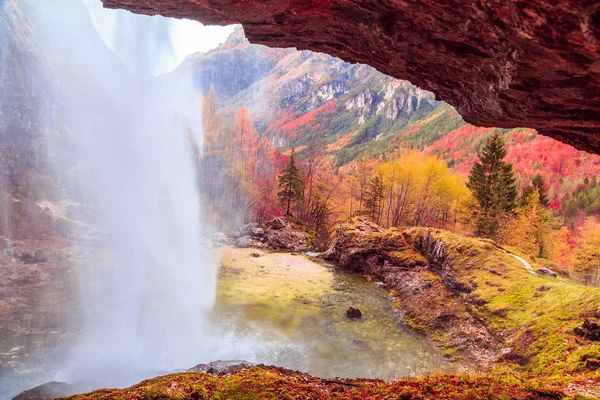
(530, 228)
(374, 198)
(291, 185)
(492, 183)
(411, 189)
(586, 263)
(538, 186)
(237, 169)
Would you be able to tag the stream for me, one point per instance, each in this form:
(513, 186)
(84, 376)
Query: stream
(297, 307)
(272, 308)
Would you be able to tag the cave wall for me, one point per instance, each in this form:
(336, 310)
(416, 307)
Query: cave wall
(503, 63)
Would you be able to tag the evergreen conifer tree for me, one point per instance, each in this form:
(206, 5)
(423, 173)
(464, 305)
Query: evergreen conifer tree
(537, 186)
(374, 198)
(492, 183)
(291, 184)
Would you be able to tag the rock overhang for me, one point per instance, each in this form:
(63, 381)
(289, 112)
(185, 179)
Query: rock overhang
(523, 63)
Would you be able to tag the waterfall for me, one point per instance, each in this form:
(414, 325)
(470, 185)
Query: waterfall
(143, 304)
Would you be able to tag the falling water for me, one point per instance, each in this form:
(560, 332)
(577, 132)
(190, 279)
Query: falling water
(143, 306)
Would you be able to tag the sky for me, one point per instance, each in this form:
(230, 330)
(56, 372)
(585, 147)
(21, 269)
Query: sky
(165, 41)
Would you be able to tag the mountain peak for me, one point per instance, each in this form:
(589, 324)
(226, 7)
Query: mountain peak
(237, 37)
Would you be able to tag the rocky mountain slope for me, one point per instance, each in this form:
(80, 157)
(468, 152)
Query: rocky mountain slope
(279, 86)
(296, 97)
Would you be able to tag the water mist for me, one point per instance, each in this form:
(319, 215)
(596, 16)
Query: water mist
(143, 306)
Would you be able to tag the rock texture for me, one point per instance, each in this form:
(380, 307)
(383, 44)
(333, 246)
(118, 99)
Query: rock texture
(416, 267)
(222, 368)
(589, 330)
(523, 63)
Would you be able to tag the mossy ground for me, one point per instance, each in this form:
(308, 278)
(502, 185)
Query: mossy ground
(274, 383)
(534, 315)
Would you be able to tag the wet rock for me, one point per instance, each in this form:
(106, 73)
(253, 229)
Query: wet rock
(546, 271)
(590, 330)
(353, 313)
(257, 233)
(276, 223)
(434, 250)
(25, 220)
(244, 242)
(28, 258)
(222, 367)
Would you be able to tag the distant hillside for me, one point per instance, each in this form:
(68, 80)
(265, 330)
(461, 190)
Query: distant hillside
(295, 97)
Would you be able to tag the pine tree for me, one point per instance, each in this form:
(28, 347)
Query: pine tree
(492, 183)
(374, 198)
(291, 184)
(538, 185)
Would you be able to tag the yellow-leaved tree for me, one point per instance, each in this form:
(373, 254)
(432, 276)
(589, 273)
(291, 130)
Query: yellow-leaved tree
(530, 229)
(419, 190)
(586, 257)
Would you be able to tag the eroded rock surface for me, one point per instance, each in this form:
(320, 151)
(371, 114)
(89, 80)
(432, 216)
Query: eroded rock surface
(416, 267)
(523, 63)
(222, 367)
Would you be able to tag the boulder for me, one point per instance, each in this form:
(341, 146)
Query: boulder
(590, 330)
(286, 239)
(276, 223)
(353, 313)
(222, 367)
(257, 233)
(244, 242)
(546, 271)
(247, 229)
(220, 239)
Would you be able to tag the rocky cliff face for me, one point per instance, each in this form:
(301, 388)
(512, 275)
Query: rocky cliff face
(24, 102)
(524, 63)
(279, 86)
